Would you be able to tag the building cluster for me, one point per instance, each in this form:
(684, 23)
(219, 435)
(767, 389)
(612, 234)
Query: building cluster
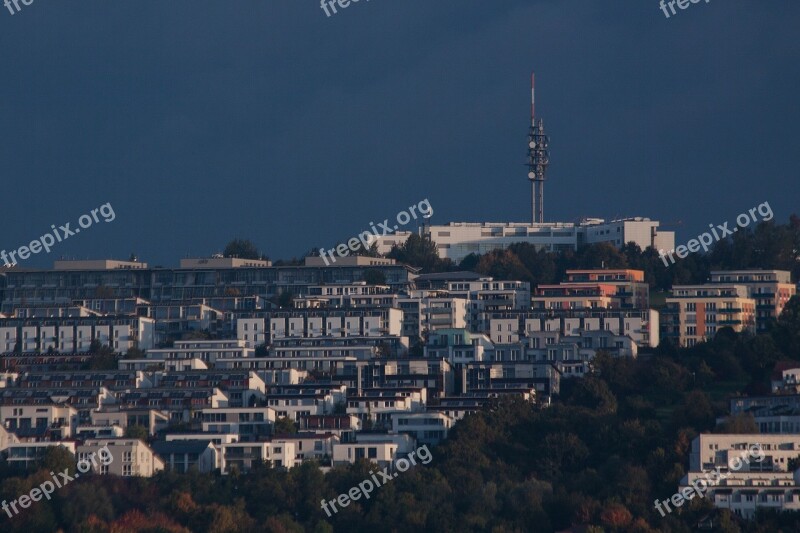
(223, 363)
(772, 481)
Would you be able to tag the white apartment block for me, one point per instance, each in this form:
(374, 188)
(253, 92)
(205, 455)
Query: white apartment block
(487, 296)
(641, 327)
(252, 331)
(379, 409)
(357, 294)
(129, 457)
(25, 454)
(426, 428)
(336, 324)
(244, 421)
(295, 406)
(150, 419)
(766, 484)
(311, 446)
(243, 455)
(207, 351)
(459, 346)
(71, 335)
(58, 418)
(381, 453)
(432, 311)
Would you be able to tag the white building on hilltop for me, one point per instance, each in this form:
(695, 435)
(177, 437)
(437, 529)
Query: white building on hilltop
(456, 240)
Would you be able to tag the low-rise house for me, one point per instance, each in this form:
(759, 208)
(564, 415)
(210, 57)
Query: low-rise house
(242, 387)
(152, 420)
(242, 456)
(250, 423)
(426, 428)
(59, 420)
(183, 455)
(129, 457)
(26, 454)
(301, 403)
(311, 446)
(182, 405)
(99, 432)
(343, 426)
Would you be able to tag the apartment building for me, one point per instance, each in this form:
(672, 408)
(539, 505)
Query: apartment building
(632, 291)
(183, 456)
(111, 380)
(180, 405)
(767, 483)
(316, 323)
(301, 403)
(75, 334)
(426, 311)
(207, 351)
(343, 426)
(346, 295)
(129, 457)
(242, 456)
(426, 428)
(61, 419)
(575, 296)
(81, 281)
(771, 289)
(250, 423)
(458, 346)
(152, 420)
(695, 313)
(310, 446)
(25, 454)
(243, 388)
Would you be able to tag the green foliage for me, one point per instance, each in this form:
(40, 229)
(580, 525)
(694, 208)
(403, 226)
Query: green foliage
(241, 248)
(420, 251)
(285, 425)
(374, 276)
(136, 432)
(135, 353)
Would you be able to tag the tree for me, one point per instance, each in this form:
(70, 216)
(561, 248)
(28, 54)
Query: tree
(241, 248)
(136, 432)
(98, 348)
(503, 264)
(420, 252)
(374, 276)
(135, 353)
(285, 425)
(284, 299)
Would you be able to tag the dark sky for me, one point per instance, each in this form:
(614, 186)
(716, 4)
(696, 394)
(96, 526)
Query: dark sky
(205, 120)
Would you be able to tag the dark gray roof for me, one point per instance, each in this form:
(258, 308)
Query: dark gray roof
(163, 448)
